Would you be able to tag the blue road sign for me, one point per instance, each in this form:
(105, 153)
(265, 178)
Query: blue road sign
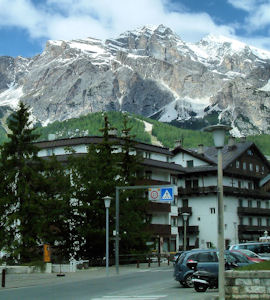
(166, 194)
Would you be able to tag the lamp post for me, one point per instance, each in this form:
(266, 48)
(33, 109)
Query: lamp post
(107, 203)
(185, 218)
(219, 138)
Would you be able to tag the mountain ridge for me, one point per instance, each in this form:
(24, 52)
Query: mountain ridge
(148, 71)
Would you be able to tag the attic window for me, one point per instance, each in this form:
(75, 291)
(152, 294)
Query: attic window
(189, 163)
(249, 152)
(237, 164)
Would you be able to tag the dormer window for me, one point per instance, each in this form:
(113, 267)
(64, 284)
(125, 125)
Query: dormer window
(249, 152)
(190, 163)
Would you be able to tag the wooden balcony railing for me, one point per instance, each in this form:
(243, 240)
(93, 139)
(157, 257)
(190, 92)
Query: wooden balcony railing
(182, 210)
(259, 194)
(159, 229)
(252, 229)
(158, 207)
(190, 229)
(253, 211)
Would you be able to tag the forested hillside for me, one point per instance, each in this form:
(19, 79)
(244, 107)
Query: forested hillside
(165, 133)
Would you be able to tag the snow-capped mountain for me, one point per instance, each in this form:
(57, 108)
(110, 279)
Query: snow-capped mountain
(148, 71)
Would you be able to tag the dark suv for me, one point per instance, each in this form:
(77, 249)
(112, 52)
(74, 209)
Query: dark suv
(207, 260)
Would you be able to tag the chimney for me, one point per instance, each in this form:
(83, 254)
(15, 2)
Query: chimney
(200, 149)
(231, 141)
(51, 136)
(177, 143)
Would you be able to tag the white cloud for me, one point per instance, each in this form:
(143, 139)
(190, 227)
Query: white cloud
(71, 19)
(258, 13)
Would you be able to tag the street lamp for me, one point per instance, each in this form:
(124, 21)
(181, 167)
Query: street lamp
(219, 138)
(107, 203)
(185, 218)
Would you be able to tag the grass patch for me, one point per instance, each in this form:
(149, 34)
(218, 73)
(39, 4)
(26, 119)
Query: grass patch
(38, 264)
(265, 265)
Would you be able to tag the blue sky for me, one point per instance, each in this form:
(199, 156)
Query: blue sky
(26, 25)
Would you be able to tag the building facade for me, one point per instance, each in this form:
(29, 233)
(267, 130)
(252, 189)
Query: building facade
(194, 173)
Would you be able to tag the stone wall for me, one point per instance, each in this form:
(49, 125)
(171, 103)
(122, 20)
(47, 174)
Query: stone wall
(247, 285)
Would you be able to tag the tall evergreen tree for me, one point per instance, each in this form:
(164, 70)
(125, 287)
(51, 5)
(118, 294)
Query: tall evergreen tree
(21, 182)
(133, 204)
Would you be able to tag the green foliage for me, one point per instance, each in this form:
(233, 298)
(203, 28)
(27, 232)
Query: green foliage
(20, 208)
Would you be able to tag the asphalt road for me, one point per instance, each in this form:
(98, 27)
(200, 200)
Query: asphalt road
(145, 284)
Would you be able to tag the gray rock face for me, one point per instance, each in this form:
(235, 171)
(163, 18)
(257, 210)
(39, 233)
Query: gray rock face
(149, 71)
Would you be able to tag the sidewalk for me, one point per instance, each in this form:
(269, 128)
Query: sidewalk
(34, 279)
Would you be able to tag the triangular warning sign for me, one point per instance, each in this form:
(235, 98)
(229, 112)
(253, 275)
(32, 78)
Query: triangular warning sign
(167, 195)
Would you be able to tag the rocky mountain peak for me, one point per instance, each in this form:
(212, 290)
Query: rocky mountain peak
(148, 71)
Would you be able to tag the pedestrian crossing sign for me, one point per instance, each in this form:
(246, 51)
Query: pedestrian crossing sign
(166, 194)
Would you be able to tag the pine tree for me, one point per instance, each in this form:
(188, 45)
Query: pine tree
(21, 184)
(133, 204)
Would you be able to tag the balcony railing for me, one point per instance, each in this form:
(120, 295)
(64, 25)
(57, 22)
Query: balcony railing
(182, 210)
(159, 207)
(228, 190)
(252, 229)
(253, 211)
(159, 229)
(190, 229)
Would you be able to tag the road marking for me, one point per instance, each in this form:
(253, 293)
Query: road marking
(151, 297)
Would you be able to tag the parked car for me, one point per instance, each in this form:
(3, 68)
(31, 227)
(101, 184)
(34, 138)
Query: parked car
(207, 260)
(176, 256)
(250, 255)
(262, 249)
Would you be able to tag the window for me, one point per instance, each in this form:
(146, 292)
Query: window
(147, 154)
(50, 152)
(240, 221)
(267, 204)
(237, 164)
(174, 221)
(250, 185)
(240, 202)
(188, 184)
(259, 204)
(173, 179)
(195, 183)
(251, 167)
(262, 169)
(249, 203)
(250, 221)
(259, 221)
(267, 222)
(148, 174)
(206, 257)
(239, 184)
(249, 152)
(257, 168)
(244, 165)
(185, 202)
(212, 210)
(189, 163)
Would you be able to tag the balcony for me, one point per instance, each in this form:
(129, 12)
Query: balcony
(182, 210)
(227, 190)
(158, 207)
(190, 229)
(252, 229)
(160, 229)
(253, 211)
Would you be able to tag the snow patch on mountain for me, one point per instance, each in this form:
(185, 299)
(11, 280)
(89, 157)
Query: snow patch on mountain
(11, 96)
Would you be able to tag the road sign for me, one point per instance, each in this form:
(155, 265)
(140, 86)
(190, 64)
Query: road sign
(154, 194)
(166, 194)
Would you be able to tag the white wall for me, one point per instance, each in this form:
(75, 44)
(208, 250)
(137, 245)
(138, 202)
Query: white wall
(182, 158)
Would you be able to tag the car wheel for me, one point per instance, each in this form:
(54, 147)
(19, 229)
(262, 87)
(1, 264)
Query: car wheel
(188, 283)
(200, 288)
